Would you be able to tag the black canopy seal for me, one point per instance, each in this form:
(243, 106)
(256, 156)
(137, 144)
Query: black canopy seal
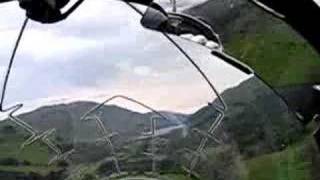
(49, 11)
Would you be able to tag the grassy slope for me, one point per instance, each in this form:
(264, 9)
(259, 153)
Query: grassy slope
(281, 57)
(287, 165)
(296, 162)
(36, 154)
(278, 54)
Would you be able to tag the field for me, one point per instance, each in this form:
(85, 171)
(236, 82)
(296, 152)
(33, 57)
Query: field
(32, 159)
(293, 163)
(10, 148)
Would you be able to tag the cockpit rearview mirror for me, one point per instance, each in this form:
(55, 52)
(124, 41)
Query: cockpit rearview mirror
(155, 18)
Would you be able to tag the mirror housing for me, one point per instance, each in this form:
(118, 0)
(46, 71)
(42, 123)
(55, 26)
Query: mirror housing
(48, 11)
(155, 18)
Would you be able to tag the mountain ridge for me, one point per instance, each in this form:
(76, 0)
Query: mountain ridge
(65, 118)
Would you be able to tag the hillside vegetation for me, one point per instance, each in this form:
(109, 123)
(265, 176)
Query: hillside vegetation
(277, 54)
(269, 46)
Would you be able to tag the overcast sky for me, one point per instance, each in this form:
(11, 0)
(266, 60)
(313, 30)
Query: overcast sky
(101, 51)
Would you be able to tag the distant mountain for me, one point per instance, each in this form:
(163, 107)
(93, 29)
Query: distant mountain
(65, 118)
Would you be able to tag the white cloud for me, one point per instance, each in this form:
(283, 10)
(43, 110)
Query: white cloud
(142, 70)
(42, 45)
(124, 66)
(11, 16)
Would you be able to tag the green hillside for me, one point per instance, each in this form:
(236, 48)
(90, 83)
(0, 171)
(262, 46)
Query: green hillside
(12, 137)
(297, 162)
(278, 54)
(281, 57)
(268, 45)
(33, 159)
(35, 154)
(286, 165)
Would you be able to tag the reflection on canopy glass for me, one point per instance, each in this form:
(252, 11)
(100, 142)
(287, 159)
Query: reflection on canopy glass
(106, 99)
